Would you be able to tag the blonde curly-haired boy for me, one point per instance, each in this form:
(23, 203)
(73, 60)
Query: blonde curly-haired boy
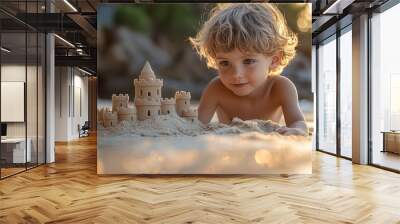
(249, 45)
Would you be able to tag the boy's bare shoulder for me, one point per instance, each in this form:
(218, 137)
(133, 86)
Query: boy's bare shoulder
(282, 83)
(215, 85)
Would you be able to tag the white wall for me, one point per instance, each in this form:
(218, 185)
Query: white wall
(62, 81)
(80, 100)
(71, 93)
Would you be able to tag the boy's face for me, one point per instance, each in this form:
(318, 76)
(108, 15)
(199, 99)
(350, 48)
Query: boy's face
(242, 72)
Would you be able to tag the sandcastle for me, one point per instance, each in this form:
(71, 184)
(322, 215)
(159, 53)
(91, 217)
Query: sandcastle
(120, 111)
(148, 102)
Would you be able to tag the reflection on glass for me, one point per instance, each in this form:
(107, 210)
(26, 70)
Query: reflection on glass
(346, 94)
(327, 96)
(385, 85)
(13, 86)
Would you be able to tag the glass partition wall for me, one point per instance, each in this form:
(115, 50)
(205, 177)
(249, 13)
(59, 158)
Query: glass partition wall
(327, 95)
(334, 94)
(346, 92)
(385, 89)
(22, 98)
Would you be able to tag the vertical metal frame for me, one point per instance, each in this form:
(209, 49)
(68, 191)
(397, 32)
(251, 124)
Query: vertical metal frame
(26, 86)
(37, 90)
(338, 98)
(45, 90)
(316, 130)
(369, 78)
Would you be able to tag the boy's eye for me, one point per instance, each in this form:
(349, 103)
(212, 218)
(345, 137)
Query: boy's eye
(249, 61)
(223, 63)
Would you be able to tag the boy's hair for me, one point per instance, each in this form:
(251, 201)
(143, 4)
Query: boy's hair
(254, 27)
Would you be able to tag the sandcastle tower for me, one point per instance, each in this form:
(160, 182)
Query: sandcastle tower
(148, 86)
(182, 99)
(109, 118)
(168, 106)
(119, 101)
(147, 108)
(147, 94)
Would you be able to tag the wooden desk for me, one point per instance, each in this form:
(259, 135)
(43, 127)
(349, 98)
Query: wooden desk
(391, 141)
(13, 150)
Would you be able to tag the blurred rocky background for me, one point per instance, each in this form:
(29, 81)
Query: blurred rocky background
(131, 34)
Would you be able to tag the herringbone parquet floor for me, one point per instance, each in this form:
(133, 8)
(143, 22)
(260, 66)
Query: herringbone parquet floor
(70, 191)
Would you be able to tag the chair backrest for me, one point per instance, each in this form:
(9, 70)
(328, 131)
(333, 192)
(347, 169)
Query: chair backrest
(86, 125)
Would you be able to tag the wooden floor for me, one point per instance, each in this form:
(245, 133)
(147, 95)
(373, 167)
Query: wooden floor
(70, 191)
(5, 172)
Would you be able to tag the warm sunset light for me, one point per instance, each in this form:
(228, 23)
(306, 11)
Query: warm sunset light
(304, 19)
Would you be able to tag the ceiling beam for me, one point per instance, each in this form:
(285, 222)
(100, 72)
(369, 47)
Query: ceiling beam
(78, 61)
(337, 7)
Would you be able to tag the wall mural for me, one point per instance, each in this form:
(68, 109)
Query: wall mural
(204, 89)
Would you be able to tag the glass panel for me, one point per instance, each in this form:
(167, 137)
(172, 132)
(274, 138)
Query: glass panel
(41, 99)
(327, 96)
(31, 98)
(385, 89)
(346, 94)
(32, 90)
(13, 87)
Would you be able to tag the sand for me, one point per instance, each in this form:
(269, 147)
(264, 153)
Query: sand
(169, 144)
(173, 125)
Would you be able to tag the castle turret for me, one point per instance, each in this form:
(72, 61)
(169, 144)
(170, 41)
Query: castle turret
(110, 118)
(147, 94)
(147, 86)
(182, 101)
(168, 106)
(119, 101)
